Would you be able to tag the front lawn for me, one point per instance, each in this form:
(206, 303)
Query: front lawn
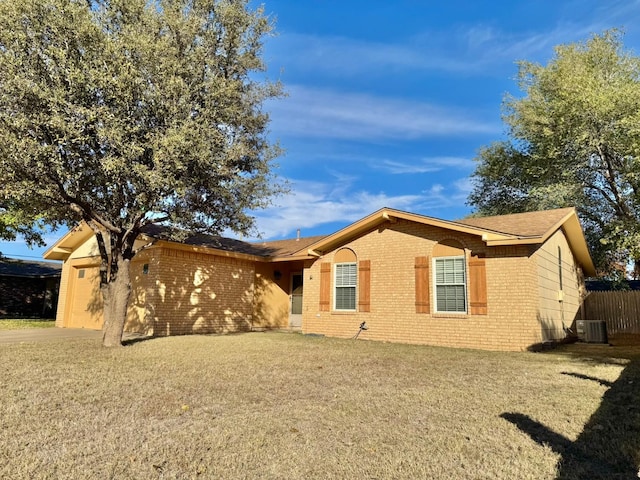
(287, 406)
(17, 323)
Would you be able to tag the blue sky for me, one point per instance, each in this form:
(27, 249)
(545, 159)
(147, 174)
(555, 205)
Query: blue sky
(389, 101)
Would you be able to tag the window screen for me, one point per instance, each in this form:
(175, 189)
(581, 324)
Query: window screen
(451, 289)
(345, 286)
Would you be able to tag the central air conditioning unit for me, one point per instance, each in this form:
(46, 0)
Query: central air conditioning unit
(592, 331)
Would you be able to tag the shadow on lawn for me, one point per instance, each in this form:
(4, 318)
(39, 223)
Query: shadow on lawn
(609, 445)
(132, 339)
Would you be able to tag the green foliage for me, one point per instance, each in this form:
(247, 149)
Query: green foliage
(21, 323)
(20, 222)
(128, 112)
(574, 140)
(124, 113)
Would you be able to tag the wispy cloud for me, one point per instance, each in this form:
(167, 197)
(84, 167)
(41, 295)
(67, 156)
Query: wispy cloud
(464, 49)
(622, 13)
(348, 56)
(439, 199)
(425, 165)
(313, 204)
(313, 112)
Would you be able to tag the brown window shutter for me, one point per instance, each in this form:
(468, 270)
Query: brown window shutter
(325, 286)
(364, 285)
(422, 285)
(477, 286)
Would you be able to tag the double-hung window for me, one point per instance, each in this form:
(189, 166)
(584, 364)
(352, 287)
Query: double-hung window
(346, 275)
(451, 284)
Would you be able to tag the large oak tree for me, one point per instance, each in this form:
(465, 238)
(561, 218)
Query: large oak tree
(574, 140)
(124, 113)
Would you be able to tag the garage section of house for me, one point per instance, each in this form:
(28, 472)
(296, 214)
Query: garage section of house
(203, 284)
(85, 306)
(500, 283)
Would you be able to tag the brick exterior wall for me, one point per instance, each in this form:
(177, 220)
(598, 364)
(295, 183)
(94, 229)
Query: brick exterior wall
(28, 297)
(511, 322)
(138, 318)
(183, 291)
(200, 293)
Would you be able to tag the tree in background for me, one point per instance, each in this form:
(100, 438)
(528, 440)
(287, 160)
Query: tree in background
(125, 113)
(574, 140)
(17, 223)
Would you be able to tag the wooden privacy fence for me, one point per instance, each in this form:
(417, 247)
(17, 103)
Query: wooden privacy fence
(620, 309)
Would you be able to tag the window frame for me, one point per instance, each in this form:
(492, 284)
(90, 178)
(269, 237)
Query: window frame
(464, 284)
(354, 286)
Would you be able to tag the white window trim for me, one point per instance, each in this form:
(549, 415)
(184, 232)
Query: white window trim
(466, 286)
(335, 288)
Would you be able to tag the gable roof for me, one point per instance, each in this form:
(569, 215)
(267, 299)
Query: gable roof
(536, 228)
(530, 224)
(11, 267)
(68, 243)
(273, 250)
(532, 228)
(290, 247)
(278, 250)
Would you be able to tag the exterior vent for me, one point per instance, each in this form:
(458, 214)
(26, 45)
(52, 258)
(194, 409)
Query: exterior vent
(592, 331)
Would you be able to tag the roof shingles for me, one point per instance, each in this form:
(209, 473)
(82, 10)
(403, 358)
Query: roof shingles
(20, 268)
(277, 248)
(529, 224)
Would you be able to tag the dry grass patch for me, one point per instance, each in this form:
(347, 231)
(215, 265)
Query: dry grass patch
(273, 405)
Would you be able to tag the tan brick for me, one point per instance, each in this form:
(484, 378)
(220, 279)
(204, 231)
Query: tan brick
(515, 300)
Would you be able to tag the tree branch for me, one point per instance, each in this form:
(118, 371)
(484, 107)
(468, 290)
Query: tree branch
(610, 178)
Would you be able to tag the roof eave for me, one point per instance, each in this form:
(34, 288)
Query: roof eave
(575, 237)
(387, 215)
(570, 224)
(514, 241)
(57, 253)
(208, 250)
(62, 249)
(288, 258)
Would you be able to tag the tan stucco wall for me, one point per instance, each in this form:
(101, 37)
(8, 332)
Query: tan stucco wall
(63, 294)
(557, 309)
(83, 255)
(512, 294)
(90, 248)
(87, 256)
(271, 307)
(272, 301)
(200, 293)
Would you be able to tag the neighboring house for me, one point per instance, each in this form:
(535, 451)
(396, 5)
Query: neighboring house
(500, 283)
(28, 288)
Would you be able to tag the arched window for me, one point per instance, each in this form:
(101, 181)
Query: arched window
(345, 280)
(449, 277)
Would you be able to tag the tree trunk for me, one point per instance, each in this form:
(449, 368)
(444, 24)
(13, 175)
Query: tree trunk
(116, 295)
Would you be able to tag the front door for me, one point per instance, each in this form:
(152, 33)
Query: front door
(295, 313)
